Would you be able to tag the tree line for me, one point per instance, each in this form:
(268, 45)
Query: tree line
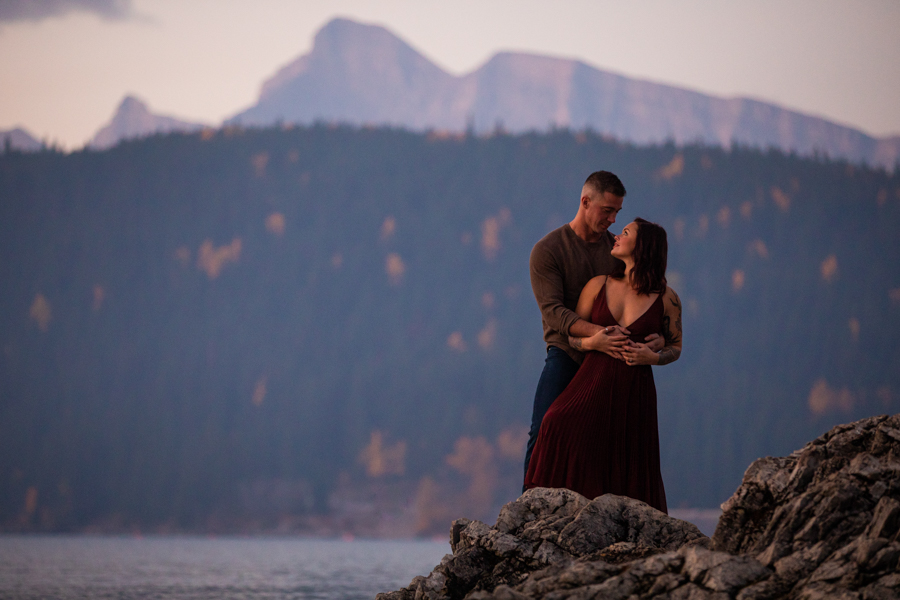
(193, 326)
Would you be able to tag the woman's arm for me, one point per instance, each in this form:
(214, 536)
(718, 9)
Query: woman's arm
(588, 295)
(671, 328)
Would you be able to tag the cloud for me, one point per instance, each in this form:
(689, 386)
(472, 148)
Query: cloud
(38, 10)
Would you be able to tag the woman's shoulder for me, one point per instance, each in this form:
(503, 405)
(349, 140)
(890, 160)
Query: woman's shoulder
(670, 297)
(592, 288)
(596, 282)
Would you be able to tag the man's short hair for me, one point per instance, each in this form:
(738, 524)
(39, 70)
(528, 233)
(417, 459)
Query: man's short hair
(604, 181)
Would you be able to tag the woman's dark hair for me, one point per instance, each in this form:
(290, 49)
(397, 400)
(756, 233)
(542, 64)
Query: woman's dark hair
(651, 250)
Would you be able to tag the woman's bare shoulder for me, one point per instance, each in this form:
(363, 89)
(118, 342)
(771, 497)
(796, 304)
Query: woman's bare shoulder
(670, 297)
(594, 285)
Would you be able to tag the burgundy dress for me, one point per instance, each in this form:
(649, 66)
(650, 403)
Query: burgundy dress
(600, 436)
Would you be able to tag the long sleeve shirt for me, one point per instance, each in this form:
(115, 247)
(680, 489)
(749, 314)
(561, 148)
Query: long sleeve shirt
(561, 264)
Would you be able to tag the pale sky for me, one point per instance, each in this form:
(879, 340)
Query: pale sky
(66, 64)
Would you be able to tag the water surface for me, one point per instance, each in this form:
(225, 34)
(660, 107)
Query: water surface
(191, 568)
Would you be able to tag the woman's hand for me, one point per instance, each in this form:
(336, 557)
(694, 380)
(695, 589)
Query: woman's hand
(639, 354)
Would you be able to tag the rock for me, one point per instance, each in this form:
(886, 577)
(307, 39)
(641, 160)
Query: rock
(609, 519)
(551, 540)
(826, 518)
(823, 522)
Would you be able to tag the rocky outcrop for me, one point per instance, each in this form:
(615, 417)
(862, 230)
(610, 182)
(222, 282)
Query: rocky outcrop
(823, 522)
(825, 518)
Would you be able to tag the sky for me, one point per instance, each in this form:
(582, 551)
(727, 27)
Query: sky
(65, 65)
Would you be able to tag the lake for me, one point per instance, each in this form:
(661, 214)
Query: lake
(193, 568)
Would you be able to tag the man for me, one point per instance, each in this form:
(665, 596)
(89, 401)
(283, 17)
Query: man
(562, 262)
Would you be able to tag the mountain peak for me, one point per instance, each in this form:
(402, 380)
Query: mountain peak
(19, 139)
(342, 27)
(338, 37)
(132, 105)
(355, 72)
(357, 49)
(133, 119)
(344, 34)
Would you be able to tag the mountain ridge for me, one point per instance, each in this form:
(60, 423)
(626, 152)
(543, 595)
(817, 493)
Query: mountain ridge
(364, 74)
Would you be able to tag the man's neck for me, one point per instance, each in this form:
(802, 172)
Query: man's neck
(584, 232)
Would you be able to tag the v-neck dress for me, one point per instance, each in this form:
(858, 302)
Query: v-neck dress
(601, 435)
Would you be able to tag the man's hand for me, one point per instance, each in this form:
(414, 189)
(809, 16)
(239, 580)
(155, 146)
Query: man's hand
(610, 340)
(655, 342)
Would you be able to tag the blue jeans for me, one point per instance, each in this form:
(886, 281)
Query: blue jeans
(559, 369)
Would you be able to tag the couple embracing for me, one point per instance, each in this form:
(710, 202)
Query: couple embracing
(608, 315)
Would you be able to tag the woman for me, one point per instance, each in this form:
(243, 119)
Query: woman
(600, 436)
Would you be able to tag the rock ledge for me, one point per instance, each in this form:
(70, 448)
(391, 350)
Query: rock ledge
(823, 522)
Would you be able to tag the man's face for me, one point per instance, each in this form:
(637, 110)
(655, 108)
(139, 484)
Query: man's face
(601, 210)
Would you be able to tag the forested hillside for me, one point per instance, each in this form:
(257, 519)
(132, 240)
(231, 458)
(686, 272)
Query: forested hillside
(327, 328)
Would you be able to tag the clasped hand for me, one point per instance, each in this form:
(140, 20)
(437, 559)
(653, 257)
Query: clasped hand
(639, 354)
(613, 340)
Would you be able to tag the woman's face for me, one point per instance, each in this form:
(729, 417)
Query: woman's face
(624, 246)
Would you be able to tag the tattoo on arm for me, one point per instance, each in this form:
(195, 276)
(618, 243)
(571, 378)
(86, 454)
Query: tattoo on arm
(577, 343)
(671, 333)
(668, 355)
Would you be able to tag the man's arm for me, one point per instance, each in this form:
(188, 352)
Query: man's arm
(609, 340)
(547, 285)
